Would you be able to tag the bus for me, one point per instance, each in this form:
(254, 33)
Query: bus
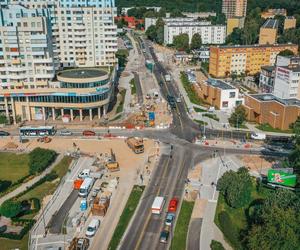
(158, 205)
(37, 131)
(85, 187)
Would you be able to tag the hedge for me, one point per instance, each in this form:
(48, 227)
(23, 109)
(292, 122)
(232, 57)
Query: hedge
(216, 245)
(25, 229)
(40, 159)
(229, 230)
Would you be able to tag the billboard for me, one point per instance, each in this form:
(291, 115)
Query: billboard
(282, 178)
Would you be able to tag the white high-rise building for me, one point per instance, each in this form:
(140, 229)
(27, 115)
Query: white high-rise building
(26, 53)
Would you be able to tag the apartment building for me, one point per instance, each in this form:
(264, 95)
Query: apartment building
(267, 108)
(268, 32)
(84, 32)
(289, 23)
(26, 52)
(36, 37)
(234, 8)
(219, 94)
(266, 79)
(247, 59)
(210, 34)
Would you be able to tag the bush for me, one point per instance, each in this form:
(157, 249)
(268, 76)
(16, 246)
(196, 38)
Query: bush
(10, 208)
(4, 185)
(228, 229)
(28, 225)
(216, 245)
(40, 159)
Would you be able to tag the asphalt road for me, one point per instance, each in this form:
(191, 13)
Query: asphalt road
(194, 234)
(139, 91)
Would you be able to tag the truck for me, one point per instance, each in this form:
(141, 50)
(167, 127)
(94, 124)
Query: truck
(158, 205)
(282, 177)
(258, 136)
(136, 144)
(167, 77)
(85, 187)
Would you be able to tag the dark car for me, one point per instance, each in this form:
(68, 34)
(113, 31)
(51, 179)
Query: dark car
(164, 235)
(4, 133)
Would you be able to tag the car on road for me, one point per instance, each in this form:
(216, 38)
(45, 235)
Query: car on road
(164, 235)
(173, 205)
(88, 133)
(84, 173)
(65, 133)
(148, 96)
(178, 100)
(169, 219)
(4, 133)
(92, 227)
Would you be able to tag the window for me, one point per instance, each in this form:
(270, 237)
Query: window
(231, 94)
(225, 104)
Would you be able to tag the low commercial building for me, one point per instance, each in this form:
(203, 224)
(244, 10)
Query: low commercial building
(131, 21)
(235, 22)
(271, 13)
(77, 92)
(246, 59)
(269, 109)
(268, 32)
(289, 22)
(219, 94)
(201, 54)
(266, 79)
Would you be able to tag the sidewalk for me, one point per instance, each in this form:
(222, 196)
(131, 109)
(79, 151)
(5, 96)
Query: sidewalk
(28, 184)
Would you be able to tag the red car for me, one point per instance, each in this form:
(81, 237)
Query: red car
(173, 205)
(88, 133)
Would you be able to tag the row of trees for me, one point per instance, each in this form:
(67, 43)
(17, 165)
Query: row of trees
(156, 32)
(181, 42)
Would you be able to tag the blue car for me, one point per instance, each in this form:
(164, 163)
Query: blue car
(169, 219)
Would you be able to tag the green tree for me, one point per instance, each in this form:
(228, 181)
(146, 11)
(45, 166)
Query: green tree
(216, 245)
(236, 187)
(235, 37)
(280, 23)
(196, 41)
(160, 31)
(181, 42)
(10, 208)
(3, 119)
(286, 52)
(122, 55)
(238, 117)
(40, 159)
(151, 33)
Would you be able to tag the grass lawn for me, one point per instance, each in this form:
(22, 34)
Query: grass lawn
(212, 116)
(13, 167)
(7, 244)
(121, 103)
(200, 110)
(238, 215)
(182, 225)
(63, 166)
(268, 128)
(128, 212)
(194, 98)
(133, 86)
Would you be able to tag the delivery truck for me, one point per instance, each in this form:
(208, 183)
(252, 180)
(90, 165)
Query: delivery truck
(158, 205)
(85, 187)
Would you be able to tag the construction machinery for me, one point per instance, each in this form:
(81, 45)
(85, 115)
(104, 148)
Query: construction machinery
(79, 244)
(112, 165)
(136, 144)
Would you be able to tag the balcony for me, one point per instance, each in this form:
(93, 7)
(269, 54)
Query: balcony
(16, 77)
(16, 69)
(16, 61)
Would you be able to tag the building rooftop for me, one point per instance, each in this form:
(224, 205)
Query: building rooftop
(270, 24)
(255, 46)
(268, 68)
(81, 73)
(219, 84)
(270, 97)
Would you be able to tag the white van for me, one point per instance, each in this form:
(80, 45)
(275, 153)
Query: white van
(158, 205)
(258, 136)
(85, 187)
(92, 228)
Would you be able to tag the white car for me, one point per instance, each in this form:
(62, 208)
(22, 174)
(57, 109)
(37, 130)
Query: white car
(84, 173)
(178, 100)
(65, 133)
(92, 227)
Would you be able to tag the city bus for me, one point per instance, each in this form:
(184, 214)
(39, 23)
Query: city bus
(37, 131)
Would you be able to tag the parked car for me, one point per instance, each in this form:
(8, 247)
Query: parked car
(92, 227)
(65, 133)
(4, 133)
(164, 235)
(178, 100)
(169, 219)
(88, 133)
(84, 173)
